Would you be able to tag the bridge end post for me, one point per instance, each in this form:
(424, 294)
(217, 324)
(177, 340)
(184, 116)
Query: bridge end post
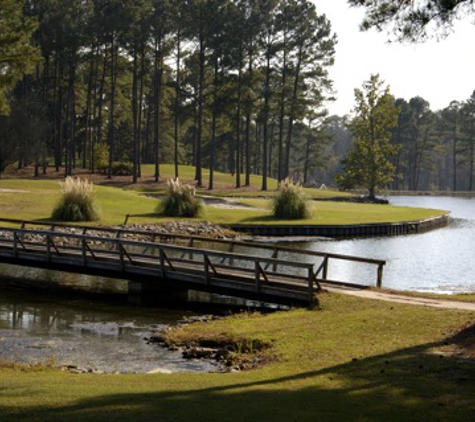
(379, 282)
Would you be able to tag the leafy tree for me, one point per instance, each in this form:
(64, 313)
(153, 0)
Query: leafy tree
(336, 129)
(413, 21)
(8, 143)
(313, 148)
(198, 32)
(220, 44)
(368, 164)
(17, 54)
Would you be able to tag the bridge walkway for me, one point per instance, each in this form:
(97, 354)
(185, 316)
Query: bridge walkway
(242, 269)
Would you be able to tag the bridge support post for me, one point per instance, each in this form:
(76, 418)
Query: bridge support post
(148, 293)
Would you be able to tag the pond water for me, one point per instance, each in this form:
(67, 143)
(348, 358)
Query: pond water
(42, 326)
(439, 261)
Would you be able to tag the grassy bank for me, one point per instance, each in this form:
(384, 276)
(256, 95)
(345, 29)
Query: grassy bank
(353, 360)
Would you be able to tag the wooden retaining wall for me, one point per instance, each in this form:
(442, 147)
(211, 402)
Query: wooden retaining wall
(357, 230)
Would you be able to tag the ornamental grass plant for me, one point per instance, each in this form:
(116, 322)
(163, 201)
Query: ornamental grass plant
(291, 203)
(77, 202)
(180, 201)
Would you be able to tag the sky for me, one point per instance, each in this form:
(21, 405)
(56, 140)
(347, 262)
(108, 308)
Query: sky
(438, 71)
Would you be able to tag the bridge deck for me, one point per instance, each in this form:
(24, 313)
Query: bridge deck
(293, 279)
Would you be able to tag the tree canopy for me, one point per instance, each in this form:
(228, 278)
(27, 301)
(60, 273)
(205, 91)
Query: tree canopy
(17, 54)
(218, 84)
(411, 20)
(369, 163)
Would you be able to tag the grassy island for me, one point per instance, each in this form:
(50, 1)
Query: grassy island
(32, 199)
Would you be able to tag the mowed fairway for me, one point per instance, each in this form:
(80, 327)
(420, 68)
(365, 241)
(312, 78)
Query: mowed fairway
(35, 199)
(352, 360)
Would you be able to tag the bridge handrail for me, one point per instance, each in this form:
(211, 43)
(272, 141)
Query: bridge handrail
(175, 248)
(206, 253)
(191, 239)
(121, 252)
(256, 245)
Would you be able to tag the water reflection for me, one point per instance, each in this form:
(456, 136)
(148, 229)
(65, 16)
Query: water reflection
(92, 335)
(15, 276)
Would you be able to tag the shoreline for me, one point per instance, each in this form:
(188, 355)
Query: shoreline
(350, 230)
(453, 194)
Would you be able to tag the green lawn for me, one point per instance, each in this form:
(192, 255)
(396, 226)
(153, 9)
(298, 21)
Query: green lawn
(35, 199)
(187, 175)
(353, 360)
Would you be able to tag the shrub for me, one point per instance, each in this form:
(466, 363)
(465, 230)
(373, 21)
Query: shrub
(77, 202)
(122, 168)
(101, 157)
(291, 203)
(180, 201)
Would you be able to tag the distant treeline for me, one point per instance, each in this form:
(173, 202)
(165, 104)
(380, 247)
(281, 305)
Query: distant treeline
(436, 148)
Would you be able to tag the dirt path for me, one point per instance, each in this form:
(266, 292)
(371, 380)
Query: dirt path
(408, 300)
(12, 190)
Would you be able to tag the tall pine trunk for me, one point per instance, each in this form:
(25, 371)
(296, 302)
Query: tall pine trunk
(135, 117)
(265, 134)
(158, 75)
(177, 100)
(199, 132)
(113, 80)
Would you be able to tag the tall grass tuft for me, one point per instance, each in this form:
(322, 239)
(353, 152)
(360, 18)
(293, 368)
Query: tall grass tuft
(180, 201)
(77, 202)
(291, 203)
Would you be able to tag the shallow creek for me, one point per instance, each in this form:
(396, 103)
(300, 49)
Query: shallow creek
(90, 334)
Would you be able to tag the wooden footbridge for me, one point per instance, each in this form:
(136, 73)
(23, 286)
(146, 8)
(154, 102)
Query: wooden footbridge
(160, 264)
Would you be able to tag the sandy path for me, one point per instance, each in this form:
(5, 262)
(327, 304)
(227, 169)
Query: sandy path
(12, 190)
(408, 300)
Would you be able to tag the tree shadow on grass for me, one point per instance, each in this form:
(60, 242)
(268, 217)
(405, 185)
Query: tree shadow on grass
(412, 384)
(47, 220)
(261, 219)
(147, 215)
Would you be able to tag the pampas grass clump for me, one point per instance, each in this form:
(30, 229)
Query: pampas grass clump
(291, 203)
(180, 201)
(77, 202)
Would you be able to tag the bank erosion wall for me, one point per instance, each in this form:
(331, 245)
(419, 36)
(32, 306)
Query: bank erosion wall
(355, 230)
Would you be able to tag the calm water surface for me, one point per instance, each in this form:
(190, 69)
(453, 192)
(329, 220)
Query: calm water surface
(440, 261)
(39, 325)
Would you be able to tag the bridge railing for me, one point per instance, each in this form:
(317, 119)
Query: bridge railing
(127, 256)
(321, 260)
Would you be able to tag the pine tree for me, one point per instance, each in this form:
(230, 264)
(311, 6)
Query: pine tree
(17, 54)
